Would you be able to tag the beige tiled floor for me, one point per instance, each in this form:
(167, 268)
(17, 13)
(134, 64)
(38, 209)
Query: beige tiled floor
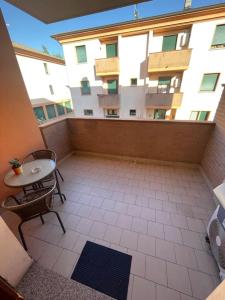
(155, 213)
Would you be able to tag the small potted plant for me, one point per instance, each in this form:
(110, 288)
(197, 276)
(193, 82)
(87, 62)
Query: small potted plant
(16, 166)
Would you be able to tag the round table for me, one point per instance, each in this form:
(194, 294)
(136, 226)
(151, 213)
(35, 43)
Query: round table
(29, 177)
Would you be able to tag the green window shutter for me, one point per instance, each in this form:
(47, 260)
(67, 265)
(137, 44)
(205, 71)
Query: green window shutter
(39, 113)
(209, 82)
(81, 54)
(169, 43)
(60, 109)
(194, 115)
(112, 86)
(51, 111)
(85, 87)
(68, 106)
(160, 114)
(164, 81)
(111, 50)
(219, 36)
(203, 115)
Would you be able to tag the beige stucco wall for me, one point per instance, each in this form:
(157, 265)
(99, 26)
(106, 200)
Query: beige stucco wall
(19, 133)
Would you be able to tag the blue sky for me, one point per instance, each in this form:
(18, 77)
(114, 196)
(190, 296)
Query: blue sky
(28, 31)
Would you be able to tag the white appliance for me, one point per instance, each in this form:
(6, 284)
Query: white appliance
(216, 230)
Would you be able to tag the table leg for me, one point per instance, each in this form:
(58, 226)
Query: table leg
(61, 195)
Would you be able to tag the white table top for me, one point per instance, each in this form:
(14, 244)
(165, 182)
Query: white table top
(47, 166)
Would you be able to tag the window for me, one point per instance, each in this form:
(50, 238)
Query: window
(132, 112)
(51, 89)
(39, 113)
(68, 107)
(112, 86)
(51, 111)
(164, 84)
(81, 54)
(111, 50)
(85, 87)
(112, 113)
(46, 68)
(209, 82)
(160, 114)
(133, 81)
(199, 115)
(219, 37)
(60, 109)
(169, 43)
(88, 112)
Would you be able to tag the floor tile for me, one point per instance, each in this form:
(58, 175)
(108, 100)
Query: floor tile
(165, 250)
(163, 217)
(196, 225)
(179, 221)
(65, 263)
(110, 217)
(108, 204)
(124, 221)
(129, 239)
(134, 210)
(143, 289)
(138, 263)
(185, 256)
(164, 293)
(148, 214)
(146, 244)
(156, 270)
(156, 229)
(49, 256)
(201, 284)
(172, 234)
(84, 226)
(98, 230)
(121, 207)
(206, 263)
(139, 225)
(113, 234)
(68, 240)
(191, 239)
(178, 278)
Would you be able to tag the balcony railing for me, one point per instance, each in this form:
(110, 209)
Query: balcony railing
(107, 66)
(109, 101)
(169, 61)
(163, 100)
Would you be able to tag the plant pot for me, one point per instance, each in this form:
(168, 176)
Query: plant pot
(18, 170)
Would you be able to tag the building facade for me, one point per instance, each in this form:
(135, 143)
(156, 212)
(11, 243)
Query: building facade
(166, 67)
(45, 78)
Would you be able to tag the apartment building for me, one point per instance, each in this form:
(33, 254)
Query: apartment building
(46, 82)
(165, 67)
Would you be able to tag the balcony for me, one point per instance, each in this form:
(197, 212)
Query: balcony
(107, 66)
(163, 100)
(169, 61)
(109, 101)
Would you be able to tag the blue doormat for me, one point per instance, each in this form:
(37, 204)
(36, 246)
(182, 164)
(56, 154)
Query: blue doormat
(104, 269)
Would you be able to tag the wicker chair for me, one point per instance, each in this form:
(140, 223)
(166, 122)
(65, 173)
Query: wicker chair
(32, 205)
(44, 154)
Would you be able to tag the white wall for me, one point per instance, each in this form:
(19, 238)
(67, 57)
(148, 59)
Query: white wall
(77, 72)
(203, 60)
(37, 81)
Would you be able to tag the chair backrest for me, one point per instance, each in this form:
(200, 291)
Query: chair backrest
(35, 203)
(41, 154)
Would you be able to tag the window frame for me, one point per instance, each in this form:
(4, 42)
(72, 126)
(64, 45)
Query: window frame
(116, 90)
(159, 109)
(116, 49)
(44, 114)
(217, 46)
(215, 84)
(52, 105)
(81, 62)
(90, 110)
(132, 115)
(131, 84)
(88, 86)
(166, 36)
(59, 105)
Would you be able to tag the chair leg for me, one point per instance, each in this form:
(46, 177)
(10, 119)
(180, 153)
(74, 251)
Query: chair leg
(21, 236)
(60, 221)
(57, 170)
(42, 219)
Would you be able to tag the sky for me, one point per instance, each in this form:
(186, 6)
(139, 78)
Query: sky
(29, 31)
